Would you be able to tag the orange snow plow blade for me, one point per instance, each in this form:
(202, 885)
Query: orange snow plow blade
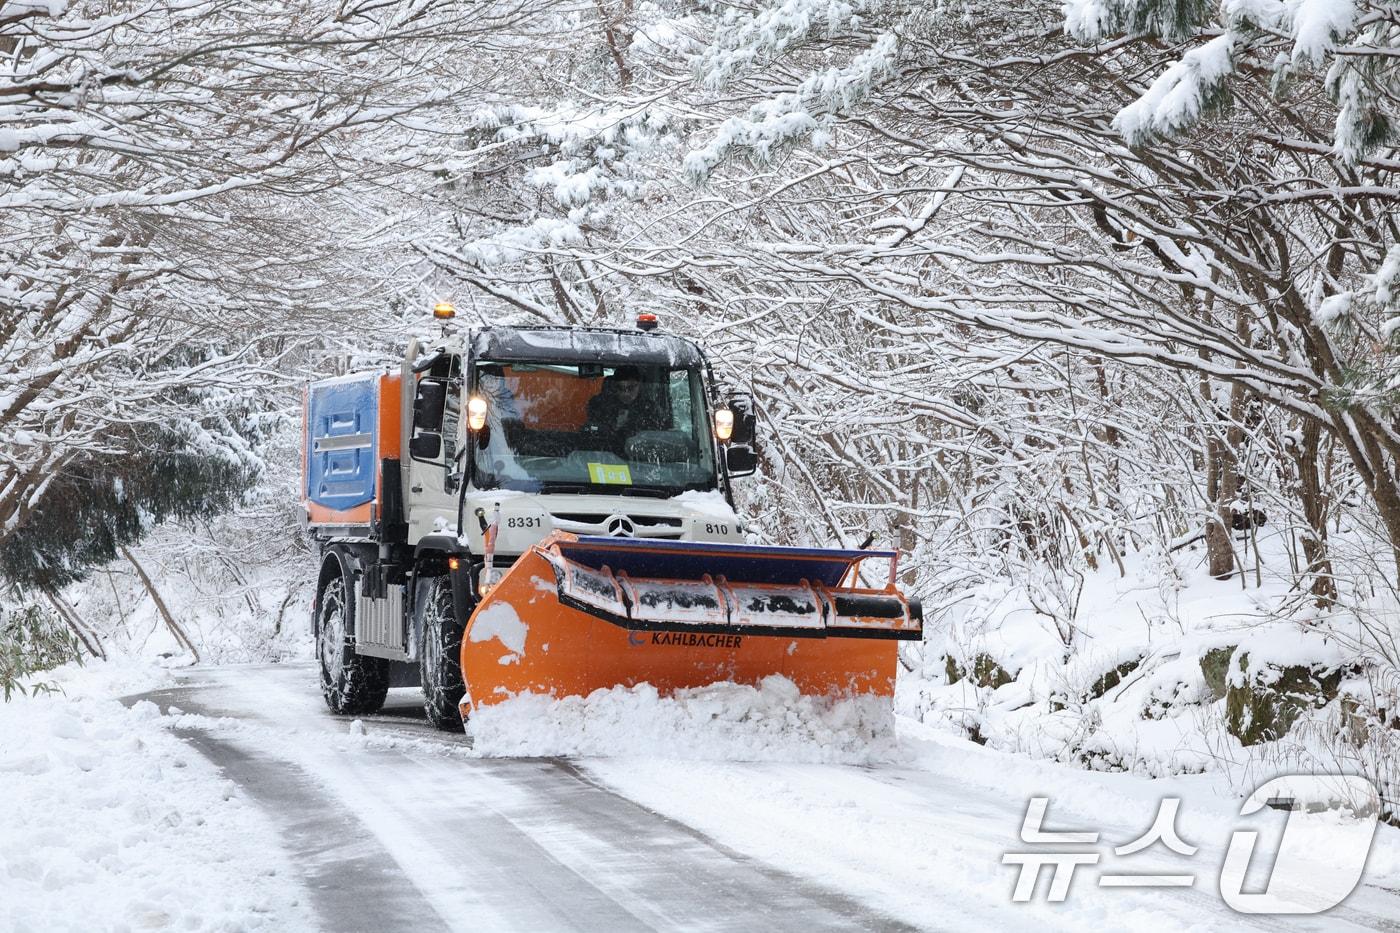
(574, 615)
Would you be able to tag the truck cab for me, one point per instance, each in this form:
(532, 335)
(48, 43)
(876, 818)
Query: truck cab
(599, 432)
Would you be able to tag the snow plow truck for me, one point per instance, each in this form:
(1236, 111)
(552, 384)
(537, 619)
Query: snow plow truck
(548, 510)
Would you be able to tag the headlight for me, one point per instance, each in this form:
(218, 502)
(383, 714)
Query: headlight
(476, 413)
(724, 423)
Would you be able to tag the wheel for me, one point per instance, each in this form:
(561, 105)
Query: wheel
(352, 684)
(441, 657)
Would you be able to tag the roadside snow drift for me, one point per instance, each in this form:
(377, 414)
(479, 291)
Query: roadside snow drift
(724, 721)
(111, 823)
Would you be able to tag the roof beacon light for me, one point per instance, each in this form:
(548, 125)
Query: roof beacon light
(444, 311)
(724, 424)
(647, 321)
(476, 412)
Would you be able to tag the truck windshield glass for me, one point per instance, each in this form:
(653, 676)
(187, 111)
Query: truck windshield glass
(600, 428)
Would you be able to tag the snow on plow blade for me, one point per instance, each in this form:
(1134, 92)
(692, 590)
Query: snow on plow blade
(574, 615)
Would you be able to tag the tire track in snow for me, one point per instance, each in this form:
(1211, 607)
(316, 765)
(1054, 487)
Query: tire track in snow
(416, 837)
(341, 865)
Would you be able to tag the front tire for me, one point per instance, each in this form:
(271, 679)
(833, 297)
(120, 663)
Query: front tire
(352, 684)
(440, 655)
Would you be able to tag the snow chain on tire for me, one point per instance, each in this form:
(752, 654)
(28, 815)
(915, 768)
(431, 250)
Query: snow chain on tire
(352, 684)
(441, 657)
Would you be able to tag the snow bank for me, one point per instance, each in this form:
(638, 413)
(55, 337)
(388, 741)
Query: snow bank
(724, 721)
(924, 842)
(1140, 670)
(113, 823)
(121, 675)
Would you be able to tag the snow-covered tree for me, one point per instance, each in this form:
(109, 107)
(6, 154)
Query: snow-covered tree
(182, 191)
(1345, 47)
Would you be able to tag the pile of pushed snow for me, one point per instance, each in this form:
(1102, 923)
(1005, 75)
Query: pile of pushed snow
(110, 822)
(725, 721)
(119, 675)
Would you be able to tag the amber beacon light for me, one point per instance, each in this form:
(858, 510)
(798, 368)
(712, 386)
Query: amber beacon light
(647, 321)
(444, 311)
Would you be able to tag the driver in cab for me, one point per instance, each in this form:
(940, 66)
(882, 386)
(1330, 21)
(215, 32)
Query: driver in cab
(618, 411)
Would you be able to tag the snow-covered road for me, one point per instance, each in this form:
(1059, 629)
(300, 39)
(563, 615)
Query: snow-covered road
(399, 827)
(398, 832)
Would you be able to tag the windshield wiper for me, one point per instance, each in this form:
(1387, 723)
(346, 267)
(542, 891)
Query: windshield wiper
(646, 491)
(565, 488)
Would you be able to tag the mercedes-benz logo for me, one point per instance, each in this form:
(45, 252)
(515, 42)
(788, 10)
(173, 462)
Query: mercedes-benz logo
(619, 527)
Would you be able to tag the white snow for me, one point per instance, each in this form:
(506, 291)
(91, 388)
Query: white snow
(515, 244)
(1256, 12)
(111, 823)
(924, 842)
(725, 721)
(1175, 99)
(771, 124)
(769, 30)
(1332, 307)
(707, 502)
(909, 821)
(1087, 20)
(1382, 283)
(502, 622)
(569, 187)
(1316, 23)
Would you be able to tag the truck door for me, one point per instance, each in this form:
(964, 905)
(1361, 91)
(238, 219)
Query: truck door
(432, 447)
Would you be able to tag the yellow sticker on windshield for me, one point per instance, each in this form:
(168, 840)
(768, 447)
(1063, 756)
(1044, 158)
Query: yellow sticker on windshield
(615, 474)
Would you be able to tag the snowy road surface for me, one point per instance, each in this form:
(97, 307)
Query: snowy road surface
(401, 828)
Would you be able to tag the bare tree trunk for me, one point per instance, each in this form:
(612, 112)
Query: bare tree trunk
(617, 40)
(1109, 433)
(170, 623)
(1315, 508)
(1358, 433)
(906, 538)
(1222, 487)
(254, 608)
(1223, 465)
(281, 613)
(70, 618)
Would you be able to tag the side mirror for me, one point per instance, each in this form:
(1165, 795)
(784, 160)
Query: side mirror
(428, 404)
(745, 421)
(425, 446)
(740, 461)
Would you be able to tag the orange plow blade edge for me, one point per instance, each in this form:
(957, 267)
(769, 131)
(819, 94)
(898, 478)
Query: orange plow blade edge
(574, 615)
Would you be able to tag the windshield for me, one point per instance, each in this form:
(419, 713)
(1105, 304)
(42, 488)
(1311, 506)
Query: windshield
(592, 428)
